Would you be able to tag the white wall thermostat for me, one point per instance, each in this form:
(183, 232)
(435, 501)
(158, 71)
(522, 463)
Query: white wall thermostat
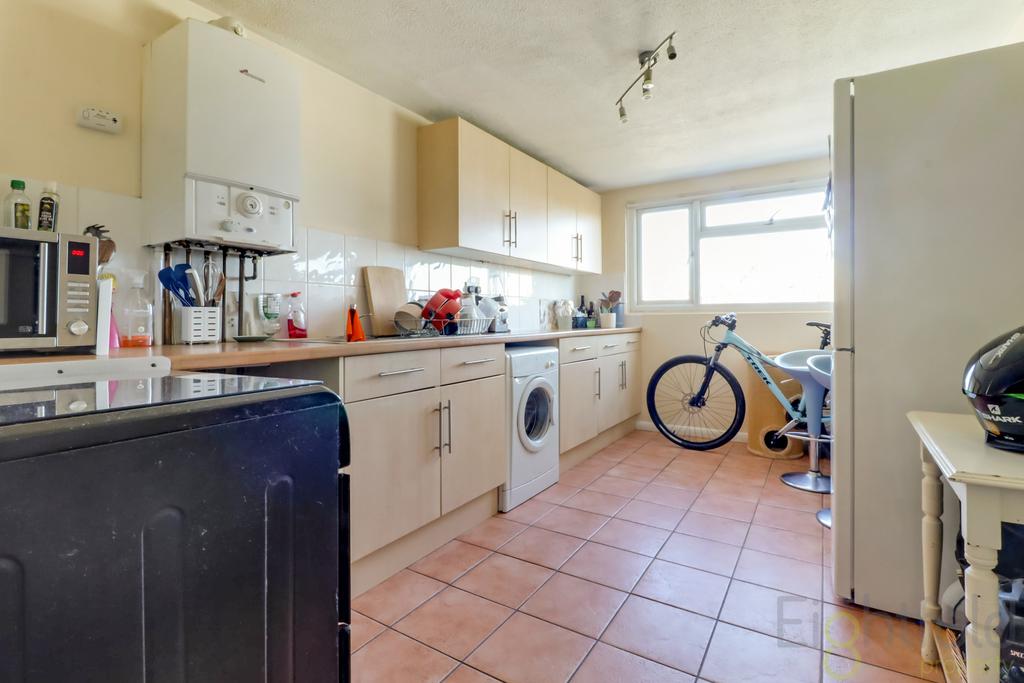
(99, 119)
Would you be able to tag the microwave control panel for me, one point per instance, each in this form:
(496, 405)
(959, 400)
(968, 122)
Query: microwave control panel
(77, 306)
(241, 215)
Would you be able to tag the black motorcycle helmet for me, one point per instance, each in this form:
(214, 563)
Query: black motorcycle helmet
(994, 383)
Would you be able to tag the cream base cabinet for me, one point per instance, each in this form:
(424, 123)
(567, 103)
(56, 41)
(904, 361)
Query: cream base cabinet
(473, 460)
(396, 467)
(577, 403)
(620, 389)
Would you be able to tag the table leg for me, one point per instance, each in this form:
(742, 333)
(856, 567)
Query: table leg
(982, 608)
(931, 548)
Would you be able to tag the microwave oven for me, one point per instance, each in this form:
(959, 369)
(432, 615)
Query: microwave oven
(48, 293)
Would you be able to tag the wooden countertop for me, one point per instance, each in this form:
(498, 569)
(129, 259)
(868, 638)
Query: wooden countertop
(235, 355)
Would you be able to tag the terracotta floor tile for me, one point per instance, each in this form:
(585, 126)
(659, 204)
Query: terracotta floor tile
(876, 638)
(705, 458)
(735, 475)
(637, 538)
(788, 519)
(528, 650)
(731, 490)
(596, 502)
(736, 654)
(617, 486)
(780, 573)
(781, 466)
(667, 495)
(828, 593)
(389, 601)
(466, 674)
(836, 669)
(578, 478)
(786, 543)
(777, 614)
(493, 533)
(543, 547)
(607, 664)
(684, 587)
(701, 553)
(556, 494)
(665, 634)
(614, 452)
(608, 566)
(690, 481)
(504, 579)
(451, 560)
(527, 512)
(641, 474)
(651, 514)
(661, 447)
(651, 459)
(714, 528)
(637, 439)
(723, 506)
(780, 495)
(364, 629)
(582, 606)
(746, 461)
(393, 657)
(826, 548)
(453, 621)
(571, 521)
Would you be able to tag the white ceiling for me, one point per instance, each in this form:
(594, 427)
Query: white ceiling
(752, 84)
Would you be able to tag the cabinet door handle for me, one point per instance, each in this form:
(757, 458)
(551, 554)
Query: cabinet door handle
(610, 346)
(622, 365)
(579, 240)
(580, 348)
(504, 240)
(575, 248)
(448, 407)
(392, 373)
(440, 429)
(515, 224)
(632, 341)
(479, 361)
(598, 371)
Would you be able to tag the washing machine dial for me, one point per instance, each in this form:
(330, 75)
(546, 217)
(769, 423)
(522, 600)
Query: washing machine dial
(250, 204)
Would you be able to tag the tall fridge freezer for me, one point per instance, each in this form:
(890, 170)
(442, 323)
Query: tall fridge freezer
(928, 177)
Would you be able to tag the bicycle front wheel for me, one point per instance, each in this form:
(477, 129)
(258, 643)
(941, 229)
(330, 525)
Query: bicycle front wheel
(714, 421)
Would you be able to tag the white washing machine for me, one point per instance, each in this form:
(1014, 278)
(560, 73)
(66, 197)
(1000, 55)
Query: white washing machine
(533, 423)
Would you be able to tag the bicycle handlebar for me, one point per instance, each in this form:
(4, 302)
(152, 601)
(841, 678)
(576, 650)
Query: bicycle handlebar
(727, 319)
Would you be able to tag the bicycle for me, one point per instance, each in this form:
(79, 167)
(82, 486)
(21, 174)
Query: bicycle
(697, 403)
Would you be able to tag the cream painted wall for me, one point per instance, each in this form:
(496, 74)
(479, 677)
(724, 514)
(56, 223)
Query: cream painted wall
(56, 56)
(672, 334)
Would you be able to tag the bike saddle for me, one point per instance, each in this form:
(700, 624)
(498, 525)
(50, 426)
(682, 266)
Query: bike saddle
(820, 326)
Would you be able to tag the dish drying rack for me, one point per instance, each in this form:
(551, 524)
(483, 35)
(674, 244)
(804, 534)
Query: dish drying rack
(439, 326)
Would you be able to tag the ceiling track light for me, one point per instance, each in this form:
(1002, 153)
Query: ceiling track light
(648, 60)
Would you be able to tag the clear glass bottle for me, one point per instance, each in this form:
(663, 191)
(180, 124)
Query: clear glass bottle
(136, 315)
(17, 207)
(296, 316)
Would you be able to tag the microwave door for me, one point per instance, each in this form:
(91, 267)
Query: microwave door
(28, 293)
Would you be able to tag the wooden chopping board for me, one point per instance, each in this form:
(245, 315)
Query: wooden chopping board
(385, 293)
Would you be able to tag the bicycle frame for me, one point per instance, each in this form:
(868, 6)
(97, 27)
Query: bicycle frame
(756, 360)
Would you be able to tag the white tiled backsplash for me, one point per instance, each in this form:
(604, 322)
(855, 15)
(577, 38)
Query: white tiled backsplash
(327, 269)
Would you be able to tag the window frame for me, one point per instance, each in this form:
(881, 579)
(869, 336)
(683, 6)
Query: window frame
(698, 231)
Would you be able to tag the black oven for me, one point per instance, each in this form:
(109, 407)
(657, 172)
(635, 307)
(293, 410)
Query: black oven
(48, 294)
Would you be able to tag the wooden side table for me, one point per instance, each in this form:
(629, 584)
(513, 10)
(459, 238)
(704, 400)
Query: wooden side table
(990, 485)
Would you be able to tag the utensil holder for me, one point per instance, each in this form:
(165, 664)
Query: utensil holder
(607, 320)
(197, 325)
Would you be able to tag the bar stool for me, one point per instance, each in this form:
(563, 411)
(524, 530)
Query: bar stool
(820, 368)
(794, 363)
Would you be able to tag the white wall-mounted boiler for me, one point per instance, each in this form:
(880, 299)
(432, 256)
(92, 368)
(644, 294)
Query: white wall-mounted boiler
(220, 140)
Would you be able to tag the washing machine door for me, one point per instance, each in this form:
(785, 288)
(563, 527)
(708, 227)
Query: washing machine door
(535, 415)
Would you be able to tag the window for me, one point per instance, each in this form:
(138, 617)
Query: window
(759, 248)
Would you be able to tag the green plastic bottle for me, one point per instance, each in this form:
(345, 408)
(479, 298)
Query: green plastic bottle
(17, 207)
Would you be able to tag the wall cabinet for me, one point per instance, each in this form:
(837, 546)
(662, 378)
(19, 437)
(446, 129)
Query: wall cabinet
(475, 418)
(478, 197)
(421, 452)
(396, 467)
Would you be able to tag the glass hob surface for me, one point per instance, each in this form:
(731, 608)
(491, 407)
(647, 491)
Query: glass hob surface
(84, 397)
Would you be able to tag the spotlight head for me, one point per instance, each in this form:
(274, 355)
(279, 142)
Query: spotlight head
(647, 87)
(622, 113)
(671, 50)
